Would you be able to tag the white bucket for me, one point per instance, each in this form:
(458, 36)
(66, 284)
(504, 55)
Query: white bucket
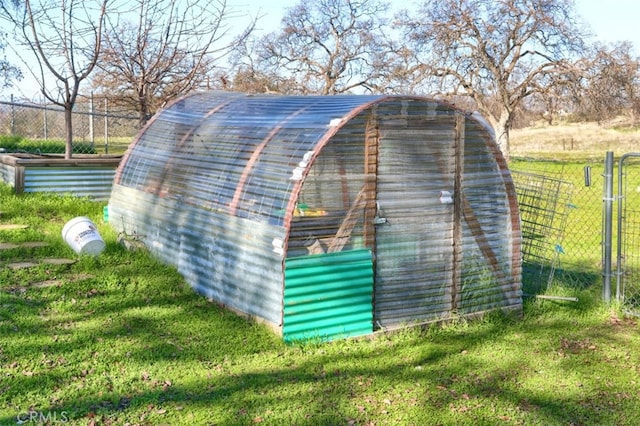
(82, 236)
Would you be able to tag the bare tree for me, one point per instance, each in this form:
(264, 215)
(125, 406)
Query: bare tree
(559, 98)
(249, 80)
(497, 52)
(610, 84)
(247, 74)
(8, 72)
(399, 69)
(170, 49)
(325, 46)
(65, 38)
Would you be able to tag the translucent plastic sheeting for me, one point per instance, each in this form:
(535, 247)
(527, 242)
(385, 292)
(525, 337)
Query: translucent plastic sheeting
(231, 187)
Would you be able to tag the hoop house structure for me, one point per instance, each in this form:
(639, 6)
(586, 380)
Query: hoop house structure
(326, 216)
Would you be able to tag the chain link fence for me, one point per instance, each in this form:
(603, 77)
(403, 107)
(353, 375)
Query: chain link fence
(628, 247)
(40, 128)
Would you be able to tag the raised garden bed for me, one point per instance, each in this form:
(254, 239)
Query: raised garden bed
(82, 175)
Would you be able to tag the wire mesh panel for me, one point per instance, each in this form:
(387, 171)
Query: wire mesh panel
(574, 261)
(629, 238)
(545, 203)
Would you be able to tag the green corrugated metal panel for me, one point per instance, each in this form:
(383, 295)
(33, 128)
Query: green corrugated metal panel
(328, 296)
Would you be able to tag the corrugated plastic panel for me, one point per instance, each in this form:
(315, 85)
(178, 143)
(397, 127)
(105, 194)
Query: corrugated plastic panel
(491, 259)
(328, 296)
(228, 259)
(330, 214)
(414, 250)
(93, 182)
(232, 161)
(230, 187)
(234, 153)
(419, 275)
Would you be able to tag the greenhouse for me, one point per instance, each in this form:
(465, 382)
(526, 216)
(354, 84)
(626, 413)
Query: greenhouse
(326, 216)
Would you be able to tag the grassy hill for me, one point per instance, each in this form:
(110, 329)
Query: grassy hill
(574, 140)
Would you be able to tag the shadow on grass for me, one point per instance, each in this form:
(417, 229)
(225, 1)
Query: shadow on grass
(123, 339)
(138, 356)
(536, 277)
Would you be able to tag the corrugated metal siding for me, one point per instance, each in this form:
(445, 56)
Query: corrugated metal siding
(328, 296)
(228, 259)
(8, 174)
(93, 182)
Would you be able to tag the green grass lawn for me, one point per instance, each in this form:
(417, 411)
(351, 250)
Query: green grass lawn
(121, 340)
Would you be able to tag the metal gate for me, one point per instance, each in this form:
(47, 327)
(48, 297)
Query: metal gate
(628, 244)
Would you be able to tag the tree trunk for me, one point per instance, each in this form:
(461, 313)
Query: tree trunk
(501, 128)
(142, 119)
(68, 146)
(502, 136)
(143, 105)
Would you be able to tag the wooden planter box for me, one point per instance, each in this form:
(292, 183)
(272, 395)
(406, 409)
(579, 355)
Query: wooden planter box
(83, 175)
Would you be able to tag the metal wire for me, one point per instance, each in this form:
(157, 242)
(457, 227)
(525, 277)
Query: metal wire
(545, 204)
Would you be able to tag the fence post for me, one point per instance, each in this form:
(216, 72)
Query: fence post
(619, 245)
(607, 226)
(106, 126)
(46, 123)
(91, 135)
(13, 117)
